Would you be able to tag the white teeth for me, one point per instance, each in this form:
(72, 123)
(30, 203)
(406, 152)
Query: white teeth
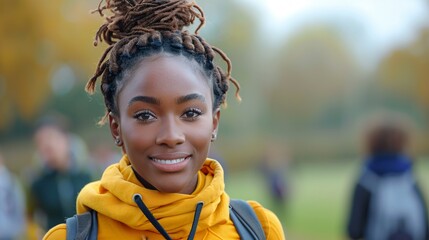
(173, 161)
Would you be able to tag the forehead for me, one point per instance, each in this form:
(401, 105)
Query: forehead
(163, 75)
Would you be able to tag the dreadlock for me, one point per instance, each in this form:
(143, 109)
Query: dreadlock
(141, 28)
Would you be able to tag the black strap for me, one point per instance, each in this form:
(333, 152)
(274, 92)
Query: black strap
(82, 226)
(245, 220)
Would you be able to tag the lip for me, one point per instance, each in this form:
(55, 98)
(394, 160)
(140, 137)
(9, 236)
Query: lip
(169, 156)
(170, 162)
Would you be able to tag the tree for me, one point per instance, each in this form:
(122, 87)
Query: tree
(38, 36)
(403, 75)
(315, 68)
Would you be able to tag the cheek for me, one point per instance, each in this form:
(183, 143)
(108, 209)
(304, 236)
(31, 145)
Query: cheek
(134, 136)
(200, 136)
(200, 139)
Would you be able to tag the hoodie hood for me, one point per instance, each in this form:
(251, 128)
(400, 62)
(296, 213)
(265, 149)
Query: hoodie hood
(113, 196)
(387, 163)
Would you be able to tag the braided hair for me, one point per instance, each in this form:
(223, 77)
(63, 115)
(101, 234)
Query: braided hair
(136, 29)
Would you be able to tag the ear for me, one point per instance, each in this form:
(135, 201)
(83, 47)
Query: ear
(115, 129)
(216, 119)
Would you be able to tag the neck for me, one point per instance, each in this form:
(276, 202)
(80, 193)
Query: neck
(145, 183)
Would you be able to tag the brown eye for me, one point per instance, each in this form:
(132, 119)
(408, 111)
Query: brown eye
(192, 114)
(145, 116)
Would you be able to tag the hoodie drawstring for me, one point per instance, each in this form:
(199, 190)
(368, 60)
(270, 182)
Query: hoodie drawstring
(195, 221)
(138, 200)
(148, 214)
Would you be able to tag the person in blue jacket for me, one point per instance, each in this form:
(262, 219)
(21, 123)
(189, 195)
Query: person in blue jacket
(387, 202)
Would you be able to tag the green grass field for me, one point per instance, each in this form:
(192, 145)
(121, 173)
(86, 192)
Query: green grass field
(320, 193)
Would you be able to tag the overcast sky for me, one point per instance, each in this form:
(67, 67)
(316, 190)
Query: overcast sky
(373, 25)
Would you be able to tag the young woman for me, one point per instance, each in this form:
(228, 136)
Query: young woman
(163, 93)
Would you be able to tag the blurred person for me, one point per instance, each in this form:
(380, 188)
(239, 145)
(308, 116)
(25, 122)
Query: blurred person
(54, 189)
(12, 205)
(163, 91)
(387, 202)
(274, 167)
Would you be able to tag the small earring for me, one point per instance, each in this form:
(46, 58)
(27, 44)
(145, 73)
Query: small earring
(213, 137)
(118, 142)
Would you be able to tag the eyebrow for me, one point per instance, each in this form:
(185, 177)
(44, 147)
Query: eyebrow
(189, 97)
(146, 99)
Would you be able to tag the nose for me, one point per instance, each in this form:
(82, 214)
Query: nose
(170, 133)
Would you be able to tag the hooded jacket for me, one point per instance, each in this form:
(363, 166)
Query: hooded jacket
(382, 165)
(120, 217)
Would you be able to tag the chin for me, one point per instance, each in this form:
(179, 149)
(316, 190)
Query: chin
(170, 189)
(175, 186)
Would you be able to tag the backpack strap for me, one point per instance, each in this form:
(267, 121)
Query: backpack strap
(245, 220)
(82, 226)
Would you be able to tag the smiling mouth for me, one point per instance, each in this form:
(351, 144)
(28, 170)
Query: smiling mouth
(171, 163)
(168, 162)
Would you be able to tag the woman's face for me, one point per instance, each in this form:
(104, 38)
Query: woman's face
(166, 122)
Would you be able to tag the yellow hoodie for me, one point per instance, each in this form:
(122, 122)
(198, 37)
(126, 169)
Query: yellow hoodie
(119, 217)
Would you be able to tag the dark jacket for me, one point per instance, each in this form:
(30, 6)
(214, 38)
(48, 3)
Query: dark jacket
(54, 193)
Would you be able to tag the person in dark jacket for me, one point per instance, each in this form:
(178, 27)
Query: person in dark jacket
(54, 190)
(387, 163)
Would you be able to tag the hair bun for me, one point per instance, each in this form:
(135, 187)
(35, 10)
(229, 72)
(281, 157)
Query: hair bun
(135, 17)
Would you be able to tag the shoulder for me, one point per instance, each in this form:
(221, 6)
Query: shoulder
(58, 232)
(83, 176)
(270, 223)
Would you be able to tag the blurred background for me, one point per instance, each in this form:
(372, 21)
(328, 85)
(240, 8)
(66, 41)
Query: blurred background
(313, 74)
